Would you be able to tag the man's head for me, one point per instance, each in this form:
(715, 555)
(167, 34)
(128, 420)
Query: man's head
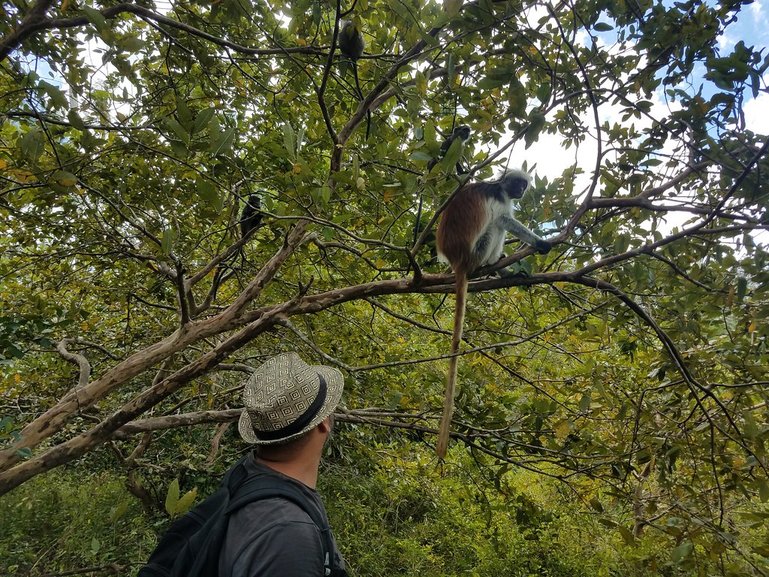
(285, 398)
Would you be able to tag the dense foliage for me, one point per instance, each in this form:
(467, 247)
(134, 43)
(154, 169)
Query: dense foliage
(611, 414)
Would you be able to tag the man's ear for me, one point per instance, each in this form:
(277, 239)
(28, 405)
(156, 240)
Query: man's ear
(325, 425)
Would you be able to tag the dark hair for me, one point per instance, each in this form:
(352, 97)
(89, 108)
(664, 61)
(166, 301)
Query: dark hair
(279, 447)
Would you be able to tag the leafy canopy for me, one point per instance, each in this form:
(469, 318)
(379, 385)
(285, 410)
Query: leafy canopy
(630, 362)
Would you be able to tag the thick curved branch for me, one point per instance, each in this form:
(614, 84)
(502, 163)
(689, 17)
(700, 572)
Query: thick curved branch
(54, 418)
(28, 26)
(236, 315)
(83, 443)
(78, 359)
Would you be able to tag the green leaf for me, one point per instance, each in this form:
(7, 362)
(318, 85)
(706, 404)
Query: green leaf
(627, 535)
(451, 72)
(184, 113)
(421, 155)
(544, 91)
(452, 7)
(174, 126)
(420, 83)
(95, 17)
(132, 44)
(516, 97)
(75, 120)
(64, 178)
(185, 503)
(57, 96)
(172, 497)
(33, 144)
(118, 511)
(488, 82)
(763, 490)
(289, 141)
(682, 552)
(209, 193)
(453, 154)
(603, 27)
(223, 144)
(202, 120)
(536, 124)
(25, 452)
(167, 244)
(584, 402)
(325, 193)
(742, 288)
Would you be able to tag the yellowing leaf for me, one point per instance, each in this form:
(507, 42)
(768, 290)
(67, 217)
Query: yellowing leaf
(64, 178)
(562, 429)
(185, 503)
(172, 497)
(420, 83)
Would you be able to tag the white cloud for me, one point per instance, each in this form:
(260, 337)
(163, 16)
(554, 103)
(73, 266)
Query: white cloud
(756, 117)
(725, 41)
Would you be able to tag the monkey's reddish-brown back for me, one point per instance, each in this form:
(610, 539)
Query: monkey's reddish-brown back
(460, 222)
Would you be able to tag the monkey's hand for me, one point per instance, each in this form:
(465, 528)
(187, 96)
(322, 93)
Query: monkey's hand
(543, 246)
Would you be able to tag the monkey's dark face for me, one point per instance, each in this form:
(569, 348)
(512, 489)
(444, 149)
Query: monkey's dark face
(462, 132)
(514, 187)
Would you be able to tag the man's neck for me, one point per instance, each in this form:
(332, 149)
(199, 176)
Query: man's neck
(303, 470)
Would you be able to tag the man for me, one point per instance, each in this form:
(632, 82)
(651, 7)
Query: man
(288, 417)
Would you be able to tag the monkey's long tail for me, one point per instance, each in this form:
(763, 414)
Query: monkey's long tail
(360, 97)
(419, 219)
(451, 382)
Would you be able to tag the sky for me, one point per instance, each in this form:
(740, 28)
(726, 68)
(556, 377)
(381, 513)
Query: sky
(548, 155)
(752, 27)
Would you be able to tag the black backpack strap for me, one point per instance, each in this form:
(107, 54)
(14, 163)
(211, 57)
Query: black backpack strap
(259, 487)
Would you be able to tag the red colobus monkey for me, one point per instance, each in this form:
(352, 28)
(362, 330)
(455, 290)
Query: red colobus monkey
(471, 234)
(351, 44)
(251, 217)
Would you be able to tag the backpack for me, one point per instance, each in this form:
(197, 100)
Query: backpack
(191, 546)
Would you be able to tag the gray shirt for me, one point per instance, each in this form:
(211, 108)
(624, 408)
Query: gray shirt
(274, 537)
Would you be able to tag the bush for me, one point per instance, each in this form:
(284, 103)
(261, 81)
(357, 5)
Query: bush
(63, 521)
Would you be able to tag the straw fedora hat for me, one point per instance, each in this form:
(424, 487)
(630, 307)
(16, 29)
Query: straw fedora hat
(285, 397)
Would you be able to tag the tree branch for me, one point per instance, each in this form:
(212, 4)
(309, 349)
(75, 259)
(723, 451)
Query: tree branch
(79, 360)
(37, 22)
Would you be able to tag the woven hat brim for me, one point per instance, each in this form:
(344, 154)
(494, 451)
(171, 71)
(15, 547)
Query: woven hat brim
(334, 388)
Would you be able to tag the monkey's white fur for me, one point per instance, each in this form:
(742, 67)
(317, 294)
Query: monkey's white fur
(499, 220)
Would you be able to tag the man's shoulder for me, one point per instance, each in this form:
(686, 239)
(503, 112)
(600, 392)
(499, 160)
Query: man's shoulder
(299, 506)
(264, 536)
(263, 512)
